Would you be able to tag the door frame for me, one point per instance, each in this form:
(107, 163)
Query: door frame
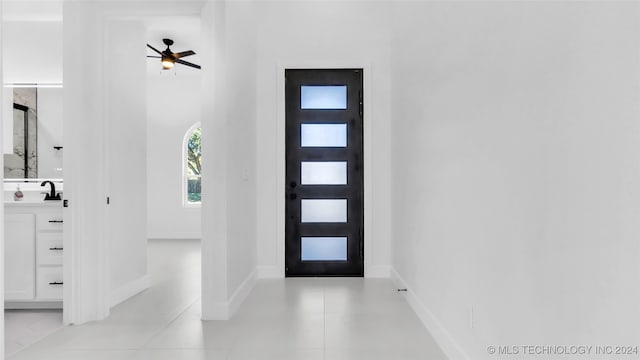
(367, 138)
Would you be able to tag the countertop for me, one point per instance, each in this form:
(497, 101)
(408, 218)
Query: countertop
(38, 203)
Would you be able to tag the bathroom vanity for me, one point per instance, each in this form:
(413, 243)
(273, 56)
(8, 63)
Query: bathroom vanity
(33, 226)
(33, 253)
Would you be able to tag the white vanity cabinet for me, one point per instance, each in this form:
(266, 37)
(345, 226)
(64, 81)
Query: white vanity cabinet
(19, 259)
(33, 255)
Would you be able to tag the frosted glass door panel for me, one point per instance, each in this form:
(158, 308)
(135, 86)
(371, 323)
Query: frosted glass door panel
(323, 173)
(324, 249)
(323, 97)
(323, 135)
(323, 210)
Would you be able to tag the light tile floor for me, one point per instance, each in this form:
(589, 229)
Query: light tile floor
(25, 327)
(319, 318)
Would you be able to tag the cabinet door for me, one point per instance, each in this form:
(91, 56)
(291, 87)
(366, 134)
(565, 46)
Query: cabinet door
(19, 256)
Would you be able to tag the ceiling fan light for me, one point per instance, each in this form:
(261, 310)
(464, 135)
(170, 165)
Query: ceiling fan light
(167, 63)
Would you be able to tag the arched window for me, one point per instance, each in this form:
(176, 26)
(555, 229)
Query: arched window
(191, 169)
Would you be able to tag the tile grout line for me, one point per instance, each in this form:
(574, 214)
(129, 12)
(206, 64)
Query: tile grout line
(151, 337)
(38, 339)
(166, 326)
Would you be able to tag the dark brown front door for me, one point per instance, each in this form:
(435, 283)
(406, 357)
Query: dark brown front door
(324, 175)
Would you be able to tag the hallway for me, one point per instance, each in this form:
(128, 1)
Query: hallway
(296, 318)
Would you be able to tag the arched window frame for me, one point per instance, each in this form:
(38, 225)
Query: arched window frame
(185, 175)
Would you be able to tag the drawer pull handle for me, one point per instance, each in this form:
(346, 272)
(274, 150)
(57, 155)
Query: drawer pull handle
(56, 283)
(56, 248)
(56, 221)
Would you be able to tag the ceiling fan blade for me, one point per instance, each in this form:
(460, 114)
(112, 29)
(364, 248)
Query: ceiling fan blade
(154, 49)
(183, 54)
(187, 63)
(157, 57)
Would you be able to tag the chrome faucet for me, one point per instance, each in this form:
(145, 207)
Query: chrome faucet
(52, 195)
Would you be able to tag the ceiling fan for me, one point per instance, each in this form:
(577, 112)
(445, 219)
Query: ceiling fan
(169, 58)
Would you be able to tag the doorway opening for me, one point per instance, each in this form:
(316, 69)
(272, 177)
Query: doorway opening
(33, 221)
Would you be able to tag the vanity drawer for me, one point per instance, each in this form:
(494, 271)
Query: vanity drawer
(49, 283)
(49, 221)
(49, 248)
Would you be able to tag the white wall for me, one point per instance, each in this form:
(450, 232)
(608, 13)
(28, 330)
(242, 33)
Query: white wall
(322, 35)
(34, 52)
(515, 171)
(32, 10)
(7, 126)
(214, 156)
(229, 157)
(86, 296)
(241, 122)
(172, 108)
(2, 115)
(126, 121)
(50, 118)
(105, 157)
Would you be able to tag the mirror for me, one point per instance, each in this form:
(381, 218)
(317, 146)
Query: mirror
(33, 140)
(23, 162)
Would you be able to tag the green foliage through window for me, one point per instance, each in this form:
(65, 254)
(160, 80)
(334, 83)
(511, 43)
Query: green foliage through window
(194, 166)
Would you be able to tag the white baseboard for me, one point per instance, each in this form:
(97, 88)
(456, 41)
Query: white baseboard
(449, 346)
(241, 293)
(270, 272)
(128, 290)
(225, 310)
(379, 271)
